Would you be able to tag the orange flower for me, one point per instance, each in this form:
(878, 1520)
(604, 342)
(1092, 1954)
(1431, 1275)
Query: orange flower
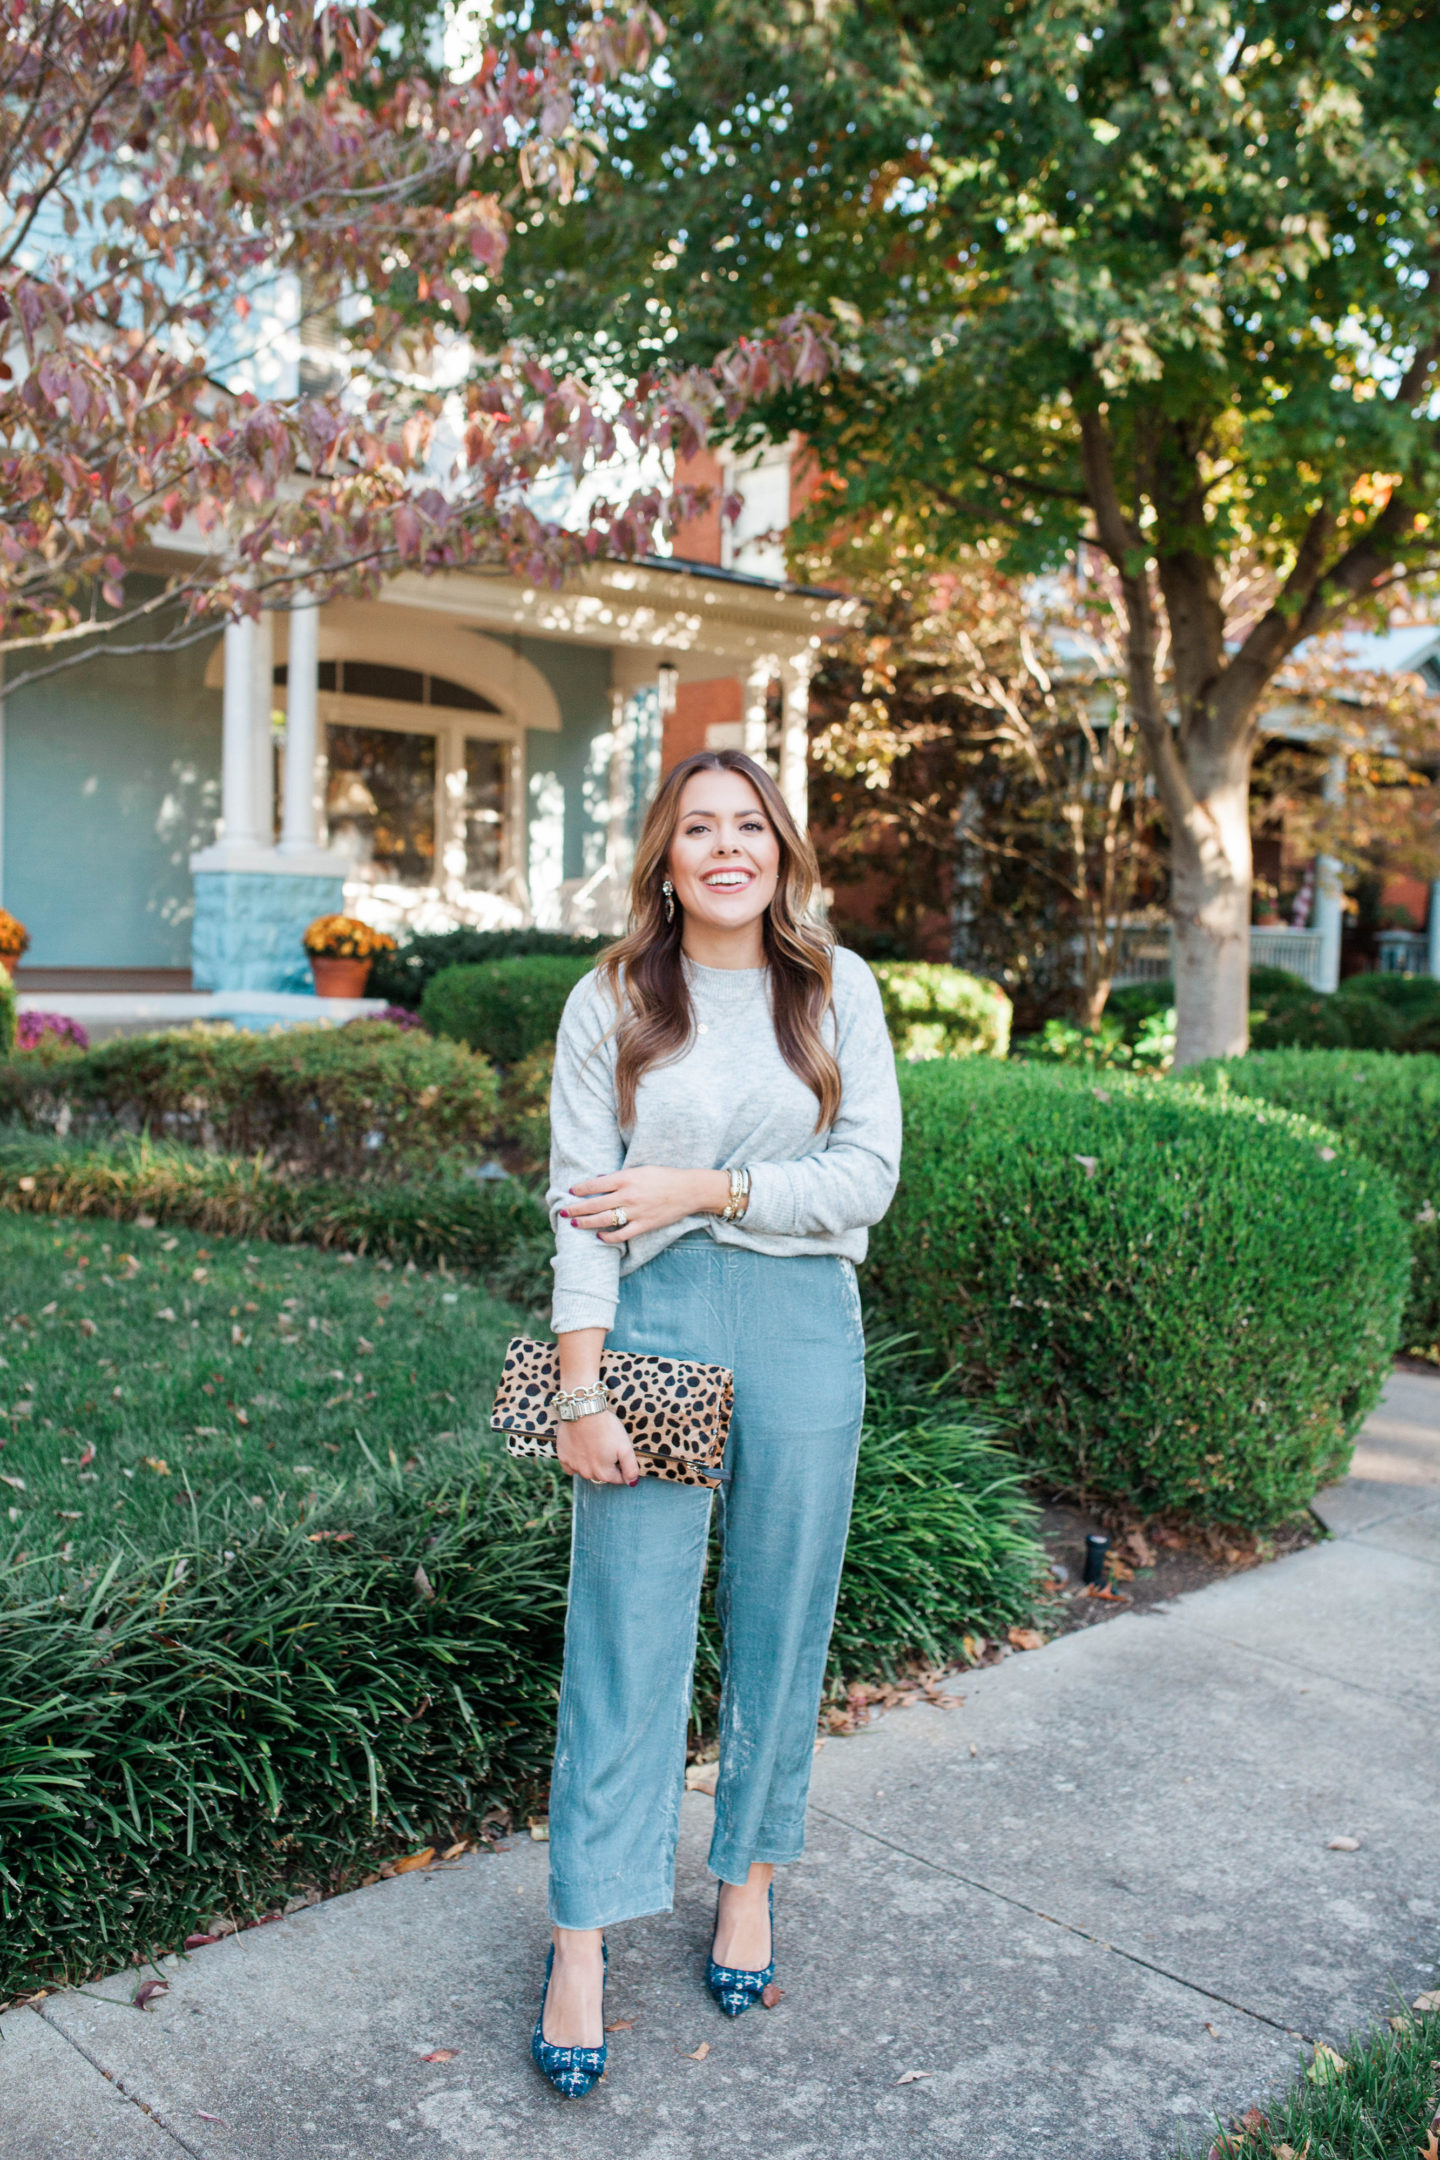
(343, 937)
(14, 937)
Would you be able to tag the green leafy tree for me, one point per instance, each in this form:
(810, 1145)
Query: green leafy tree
(1154, 280)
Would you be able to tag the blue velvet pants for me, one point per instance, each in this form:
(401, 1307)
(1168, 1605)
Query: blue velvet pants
(790, 1331)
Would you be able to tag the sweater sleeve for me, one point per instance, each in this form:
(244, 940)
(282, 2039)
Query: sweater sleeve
(585, 1141)
(850, 1180)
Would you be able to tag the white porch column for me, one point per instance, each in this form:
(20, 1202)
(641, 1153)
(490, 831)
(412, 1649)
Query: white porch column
(237, 767)
(302, 734)
(619, 840)
(794, 773)
(755, 717)
(262, 750)
(1329, 913)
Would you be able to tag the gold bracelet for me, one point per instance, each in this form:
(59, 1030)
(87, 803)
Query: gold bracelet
(739, 1200)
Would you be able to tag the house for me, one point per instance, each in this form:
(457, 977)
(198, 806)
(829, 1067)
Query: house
(461, 748)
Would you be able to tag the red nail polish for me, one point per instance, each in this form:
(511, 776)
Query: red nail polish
(632, 1480)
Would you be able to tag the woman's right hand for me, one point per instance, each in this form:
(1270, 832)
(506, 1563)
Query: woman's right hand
(597, 1448)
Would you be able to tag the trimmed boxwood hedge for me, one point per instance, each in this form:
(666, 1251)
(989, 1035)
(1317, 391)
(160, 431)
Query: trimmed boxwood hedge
(1178, 1300)
(401, 976)
(351, 1101)
(935, 1011)
(508, 1008)
(1388, 1108)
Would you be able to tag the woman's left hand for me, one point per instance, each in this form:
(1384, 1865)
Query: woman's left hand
(649, 1198)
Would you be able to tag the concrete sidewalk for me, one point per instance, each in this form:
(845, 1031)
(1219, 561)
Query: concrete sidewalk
(1078, 1914)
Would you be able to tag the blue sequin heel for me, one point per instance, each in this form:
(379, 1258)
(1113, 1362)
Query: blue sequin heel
(734, 1989)
(573, 2071)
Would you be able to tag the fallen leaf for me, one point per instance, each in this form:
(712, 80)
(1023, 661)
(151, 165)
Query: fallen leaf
(1343, 1844)
(158, 1464)
(1430, 2150)
(1141, 1551)
(423, 1588)
(87, 1455)
(913, 2077)
(1213, 2030)
(1089, 1164)
(700, 2053)
(334, 1537)
(1026, 1638)
(201, 2112)
(16, 1484)
(87, 1327)
(771, 1995)
(147, 1991)
(415, 1860)
(1427, 2002)
(165, 1313)
(622, 2025)
(540, 1832)
(453, 1852)
(441, 2055)
(1327, 2064)
(198, 1942)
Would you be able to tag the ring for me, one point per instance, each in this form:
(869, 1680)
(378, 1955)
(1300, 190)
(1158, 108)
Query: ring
(619, 1217)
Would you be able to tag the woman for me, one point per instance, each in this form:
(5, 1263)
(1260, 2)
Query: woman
(724, 1032)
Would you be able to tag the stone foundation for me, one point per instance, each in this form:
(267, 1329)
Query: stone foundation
(249, 925)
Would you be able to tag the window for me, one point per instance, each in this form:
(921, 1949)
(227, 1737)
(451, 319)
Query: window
(380, 802)
(397, 685)
(485, 793)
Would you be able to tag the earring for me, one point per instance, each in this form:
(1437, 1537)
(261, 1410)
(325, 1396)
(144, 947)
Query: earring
(668, 893)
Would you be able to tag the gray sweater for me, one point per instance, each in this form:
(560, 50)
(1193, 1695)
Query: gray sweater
(729, 1098)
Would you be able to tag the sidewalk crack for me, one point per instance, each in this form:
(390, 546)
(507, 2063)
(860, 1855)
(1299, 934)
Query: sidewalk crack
(1071, 1927)
(112, 2077)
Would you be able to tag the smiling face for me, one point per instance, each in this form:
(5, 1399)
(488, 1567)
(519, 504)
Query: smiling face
(724, 858)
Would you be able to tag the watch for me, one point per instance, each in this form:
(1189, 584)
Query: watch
(572, 1403)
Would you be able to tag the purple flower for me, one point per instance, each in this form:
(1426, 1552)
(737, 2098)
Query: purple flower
(397, 1015)
(32, 1027)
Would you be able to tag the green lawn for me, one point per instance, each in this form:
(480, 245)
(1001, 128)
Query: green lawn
(220, 1375)
(1377, 2101)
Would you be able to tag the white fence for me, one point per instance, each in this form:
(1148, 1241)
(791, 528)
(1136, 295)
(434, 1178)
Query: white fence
(1145, 954)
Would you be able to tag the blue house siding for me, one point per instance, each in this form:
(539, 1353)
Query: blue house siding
(111, 781)
(566, 773)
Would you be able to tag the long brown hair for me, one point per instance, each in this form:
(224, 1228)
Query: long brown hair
(645, 972)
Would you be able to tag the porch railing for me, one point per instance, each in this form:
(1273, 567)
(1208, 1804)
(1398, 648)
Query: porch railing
(1145, 953)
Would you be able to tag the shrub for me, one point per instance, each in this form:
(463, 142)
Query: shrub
(525, 1109)
(318, 1100)
(1147, 1047)
(941, 1012)
(8, 1015)
(1177, 1300)
(492, 1225)
(507, 1008)
(1388, 1108)
(403, 975)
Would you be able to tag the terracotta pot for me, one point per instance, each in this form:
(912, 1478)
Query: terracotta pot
(10, 961)
(339, 978)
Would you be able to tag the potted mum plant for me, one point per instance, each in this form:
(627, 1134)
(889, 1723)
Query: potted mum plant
(14, 939)
(341, 948)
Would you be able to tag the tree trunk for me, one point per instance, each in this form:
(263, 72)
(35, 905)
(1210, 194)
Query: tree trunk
(1210, 910)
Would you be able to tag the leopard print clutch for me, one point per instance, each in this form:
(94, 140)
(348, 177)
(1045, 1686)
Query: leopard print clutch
(676, 1412)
